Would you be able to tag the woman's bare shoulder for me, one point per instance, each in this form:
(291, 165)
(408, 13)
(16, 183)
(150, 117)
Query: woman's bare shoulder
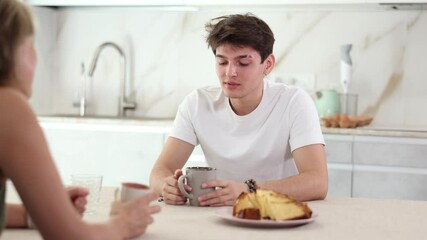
(10, 94)
(14, 106)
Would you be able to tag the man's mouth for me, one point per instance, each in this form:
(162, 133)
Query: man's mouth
(231, 83)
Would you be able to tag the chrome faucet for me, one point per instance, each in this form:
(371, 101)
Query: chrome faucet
(81, 94)
(123, 103)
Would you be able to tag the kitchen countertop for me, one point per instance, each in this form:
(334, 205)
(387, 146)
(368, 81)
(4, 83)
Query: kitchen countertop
(106, 123)
(155, 122)
(164, 125)
(337, 218)
(378, 131)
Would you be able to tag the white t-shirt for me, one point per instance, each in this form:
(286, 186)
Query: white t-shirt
(258, 145)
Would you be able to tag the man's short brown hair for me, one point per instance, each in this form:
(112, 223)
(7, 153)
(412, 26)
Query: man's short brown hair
(240, 30)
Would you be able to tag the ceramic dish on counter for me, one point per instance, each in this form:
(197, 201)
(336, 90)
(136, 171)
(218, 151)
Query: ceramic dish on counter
(227, 215)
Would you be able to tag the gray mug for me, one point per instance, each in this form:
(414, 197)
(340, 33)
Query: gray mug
(195, 177)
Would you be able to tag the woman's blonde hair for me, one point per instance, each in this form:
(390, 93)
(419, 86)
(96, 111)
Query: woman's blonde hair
(16, 23)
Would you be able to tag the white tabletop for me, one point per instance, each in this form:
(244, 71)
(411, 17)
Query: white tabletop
(338, 218)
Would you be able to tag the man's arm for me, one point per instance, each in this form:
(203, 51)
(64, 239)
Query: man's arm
(310, 184)
(312, 181)
(166, 170)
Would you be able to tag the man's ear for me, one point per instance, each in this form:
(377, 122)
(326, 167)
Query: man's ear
(269, 65)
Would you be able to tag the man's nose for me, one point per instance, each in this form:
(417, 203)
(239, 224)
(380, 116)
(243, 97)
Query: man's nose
(231, 71)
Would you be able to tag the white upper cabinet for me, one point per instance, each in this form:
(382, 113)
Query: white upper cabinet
(396, 1)
(65, 3)
(270, 2)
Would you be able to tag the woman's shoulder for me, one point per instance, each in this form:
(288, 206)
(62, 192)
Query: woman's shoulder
(13, 105)
(10, 97)
(10, 93)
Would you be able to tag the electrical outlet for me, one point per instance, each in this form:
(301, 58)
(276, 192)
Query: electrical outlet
(305, 81)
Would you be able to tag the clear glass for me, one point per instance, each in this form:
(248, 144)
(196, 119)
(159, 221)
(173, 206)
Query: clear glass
(93, 183)
(348, 103)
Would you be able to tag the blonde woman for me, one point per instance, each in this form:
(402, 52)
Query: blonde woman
(25, 158)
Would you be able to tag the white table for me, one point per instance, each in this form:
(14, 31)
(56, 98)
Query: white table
(338, 218)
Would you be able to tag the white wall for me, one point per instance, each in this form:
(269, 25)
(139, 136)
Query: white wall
(45, 76)
(168, 57)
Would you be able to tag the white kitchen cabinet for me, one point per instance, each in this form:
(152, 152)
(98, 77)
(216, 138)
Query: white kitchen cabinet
(389, 183)
(377, 167)
(66, 3)
(396, 1)
(358, 165)
(187, 2)
(248, 5)
(400, 4)
(339, 156)
(155, 3)
(390, 167)
(119, 153)
(183, 2)
(269, 2)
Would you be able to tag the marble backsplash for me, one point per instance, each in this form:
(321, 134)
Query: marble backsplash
(167, 57)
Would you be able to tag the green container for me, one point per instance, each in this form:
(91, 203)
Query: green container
(327, 102)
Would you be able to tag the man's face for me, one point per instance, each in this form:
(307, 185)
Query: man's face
(240, 71)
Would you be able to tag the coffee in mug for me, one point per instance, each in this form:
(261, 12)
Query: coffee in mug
(195, 177)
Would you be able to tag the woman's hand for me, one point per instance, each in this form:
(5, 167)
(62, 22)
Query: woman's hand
(225, 195)
(133, 217)
(78, 197)
(170, 190)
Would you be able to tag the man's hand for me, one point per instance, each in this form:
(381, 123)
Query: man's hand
(225, 195)
(170, 190)
(78, 197)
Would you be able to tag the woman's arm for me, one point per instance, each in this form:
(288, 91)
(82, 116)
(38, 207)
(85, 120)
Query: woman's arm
(25, 159)
(16, 216)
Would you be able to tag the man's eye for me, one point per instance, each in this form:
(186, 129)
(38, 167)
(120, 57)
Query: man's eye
(222, 63)
(244, 64)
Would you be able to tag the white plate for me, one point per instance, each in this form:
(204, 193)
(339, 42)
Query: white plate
(226, 214)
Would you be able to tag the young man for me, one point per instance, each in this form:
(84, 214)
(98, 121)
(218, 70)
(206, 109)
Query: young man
(256, 133)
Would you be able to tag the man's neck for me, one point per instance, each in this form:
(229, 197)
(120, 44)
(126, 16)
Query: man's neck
(242, 106)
